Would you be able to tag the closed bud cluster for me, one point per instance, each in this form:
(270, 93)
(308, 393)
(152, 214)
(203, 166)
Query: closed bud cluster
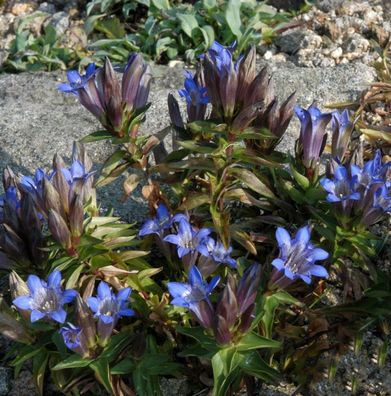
(235, 309)
(61, 195)
(114, 104)
(21, 228)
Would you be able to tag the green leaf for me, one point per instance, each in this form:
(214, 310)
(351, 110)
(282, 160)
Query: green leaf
(96, 136)
(225, 364)
(40, 362)
(301, 180)
(252, 182)
(255, 341)
(125, 366)
(102, 372)
(188, 23)
(194, 200)
(198, 334)
(232, 17)
(73, 279)
(161, 4)
(74, 361)
(252, 364)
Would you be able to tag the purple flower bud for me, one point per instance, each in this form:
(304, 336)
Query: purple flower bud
(312, 134)
(342, 129)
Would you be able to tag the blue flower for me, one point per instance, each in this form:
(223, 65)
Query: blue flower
(71, 336)
(76, 172)
(342, 187)
(9, 199)
(312, 133)
(189, 295)
(187, 240)
(217, 251)
(193, 92)
(159, 224)
(107, 306)
(221, 55)
(46, 300)
(298, 256)
(76, 80)
(33, 184)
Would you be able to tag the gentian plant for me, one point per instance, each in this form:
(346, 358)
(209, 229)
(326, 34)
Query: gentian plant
(229, 280)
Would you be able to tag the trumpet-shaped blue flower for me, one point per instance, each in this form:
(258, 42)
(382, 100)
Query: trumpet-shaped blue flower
(217, 251)
(187, 240)
(312, 133)
(107, 306)
(189, 295)
(71, 335)
(193, 92)
(46, 300)
(159, 224)
(298, 256)
(77, 80)
(33, 184)
(342, 187)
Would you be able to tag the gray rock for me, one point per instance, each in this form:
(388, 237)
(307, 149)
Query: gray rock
(5, 380)
(47, 7)
(36, 121)
(292, 41)
(174, 387)
(60, 22)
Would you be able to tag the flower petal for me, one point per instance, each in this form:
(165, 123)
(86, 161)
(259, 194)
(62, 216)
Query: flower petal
(123, 294)
(103, 290)
(54, 279)
(34, 283)
(59, 315)
(318, 270)
(195, 277)
(36, 315)
(22, 302)
(93, 303)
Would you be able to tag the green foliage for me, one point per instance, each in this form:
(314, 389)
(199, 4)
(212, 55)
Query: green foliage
(44, 52)
(172, 31)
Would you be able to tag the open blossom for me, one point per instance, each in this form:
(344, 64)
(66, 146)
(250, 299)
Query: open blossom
(161, 222)
(312, 134)
(342, 187)
(359, 193)
(107, 306)
(298, 256)
(71, 336)
(217, 251)
(192, 295)
(188, 240)
(77, 80)
(46, 300)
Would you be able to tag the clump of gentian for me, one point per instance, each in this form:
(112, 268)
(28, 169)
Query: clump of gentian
(108, 308)
(116, 105)
(342, 128)
(45, 300)
(21, 228)
(360, 195)
(194, 296)
(297, 258)
(312, 139)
